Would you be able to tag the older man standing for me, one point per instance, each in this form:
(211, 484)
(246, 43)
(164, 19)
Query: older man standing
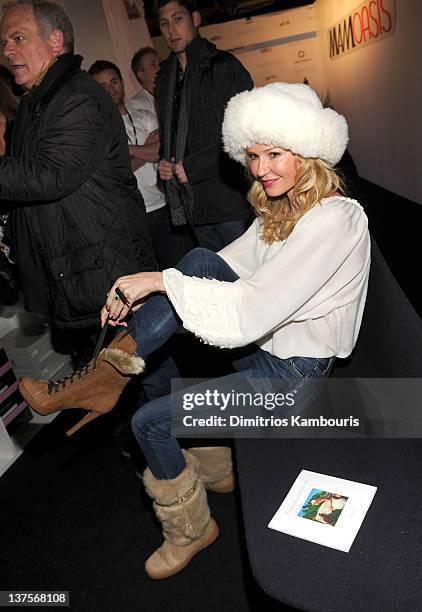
(77, 218)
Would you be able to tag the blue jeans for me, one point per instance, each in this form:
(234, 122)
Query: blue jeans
(153, 324)
(215, 236)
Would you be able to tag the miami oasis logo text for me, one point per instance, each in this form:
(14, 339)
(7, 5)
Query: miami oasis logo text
(370, 22)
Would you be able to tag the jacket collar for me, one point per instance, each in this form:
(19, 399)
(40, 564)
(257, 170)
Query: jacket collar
(198, 52)
(59, 72)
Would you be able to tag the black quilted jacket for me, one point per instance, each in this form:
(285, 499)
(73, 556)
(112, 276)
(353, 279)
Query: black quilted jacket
(77, 218)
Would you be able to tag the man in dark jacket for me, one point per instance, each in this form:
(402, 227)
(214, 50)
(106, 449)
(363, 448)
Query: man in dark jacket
(204, 188)
(77, 219)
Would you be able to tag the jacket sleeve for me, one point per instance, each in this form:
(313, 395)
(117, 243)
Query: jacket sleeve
(230, 78)
(68, 151)
(304, 280)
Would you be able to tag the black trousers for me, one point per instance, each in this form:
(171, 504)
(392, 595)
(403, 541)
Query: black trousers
(170, 243)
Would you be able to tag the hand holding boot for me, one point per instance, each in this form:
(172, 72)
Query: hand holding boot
(134, 287)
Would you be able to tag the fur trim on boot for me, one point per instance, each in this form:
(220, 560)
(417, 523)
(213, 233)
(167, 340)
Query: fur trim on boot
(182, 508)
(215, 467)
(124, 362)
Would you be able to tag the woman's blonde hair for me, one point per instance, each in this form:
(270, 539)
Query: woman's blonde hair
(315, 180)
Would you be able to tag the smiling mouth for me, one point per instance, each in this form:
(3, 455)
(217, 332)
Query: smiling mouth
(268, 183)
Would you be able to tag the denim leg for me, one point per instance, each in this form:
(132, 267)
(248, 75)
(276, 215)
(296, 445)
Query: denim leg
(157, 320)
(306, 375)
(270, 366)
(215, 236)
(157, 379)
(152, 424)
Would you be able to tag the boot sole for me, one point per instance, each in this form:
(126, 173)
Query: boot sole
(210, 535)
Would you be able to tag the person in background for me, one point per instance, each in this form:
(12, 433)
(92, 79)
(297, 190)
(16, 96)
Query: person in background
(291, 290)
(143, 139)
(77, 218)
(205, 189)
(169, 243)
(145, 66)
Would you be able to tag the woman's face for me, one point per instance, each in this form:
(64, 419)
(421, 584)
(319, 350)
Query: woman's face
(274, 167)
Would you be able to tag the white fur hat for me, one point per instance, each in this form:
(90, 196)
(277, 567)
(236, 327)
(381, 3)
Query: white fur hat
(288, 115)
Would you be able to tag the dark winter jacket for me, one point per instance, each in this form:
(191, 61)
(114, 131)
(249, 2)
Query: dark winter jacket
(218, 184)
(77, 218)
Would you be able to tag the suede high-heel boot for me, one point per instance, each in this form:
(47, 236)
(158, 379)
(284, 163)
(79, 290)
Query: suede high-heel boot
(96, 387)
(182, 508)
(215, 467)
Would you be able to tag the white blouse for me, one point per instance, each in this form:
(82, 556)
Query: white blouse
(303, 296)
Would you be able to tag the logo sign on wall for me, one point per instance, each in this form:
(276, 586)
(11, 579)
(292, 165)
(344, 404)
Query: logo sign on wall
(370, 22)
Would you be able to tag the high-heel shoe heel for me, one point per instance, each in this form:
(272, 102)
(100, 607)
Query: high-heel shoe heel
(90, 416)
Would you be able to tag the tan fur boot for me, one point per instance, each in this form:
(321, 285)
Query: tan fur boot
(215, 467)
(95, 389)
(181, 506)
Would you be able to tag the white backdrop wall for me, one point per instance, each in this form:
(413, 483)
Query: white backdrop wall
(274, 47)
(92, 36)
(104, 31)
(379, 90)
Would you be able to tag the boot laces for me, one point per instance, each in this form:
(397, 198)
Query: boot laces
(54, 386)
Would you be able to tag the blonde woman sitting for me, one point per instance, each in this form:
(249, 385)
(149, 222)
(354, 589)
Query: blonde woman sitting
(293, 288)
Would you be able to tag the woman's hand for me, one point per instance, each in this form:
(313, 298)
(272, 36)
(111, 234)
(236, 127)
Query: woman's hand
(134, 287)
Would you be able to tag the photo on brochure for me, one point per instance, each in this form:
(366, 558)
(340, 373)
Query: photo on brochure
(324, 509)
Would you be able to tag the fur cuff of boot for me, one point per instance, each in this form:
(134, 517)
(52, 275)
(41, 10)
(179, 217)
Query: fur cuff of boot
(168, 492)
(124, 362)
